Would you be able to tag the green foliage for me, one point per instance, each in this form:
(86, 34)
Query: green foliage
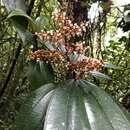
(17, 14)
(108, 65)
(12, 4)
(9, 42)
(21, 20)
(39, 73)
(34, 109)
(41, 22)
(73, 105)
(118, 55)
(77, 105)
(99, 75)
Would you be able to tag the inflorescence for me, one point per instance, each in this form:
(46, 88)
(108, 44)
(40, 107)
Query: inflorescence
(65, 32)
(64, 52)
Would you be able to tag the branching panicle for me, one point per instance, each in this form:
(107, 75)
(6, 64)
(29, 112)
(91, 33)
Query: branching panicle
(67, 55)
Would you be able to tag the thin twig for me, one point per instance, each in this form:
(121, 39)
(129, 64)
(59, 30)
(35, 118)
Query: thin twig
(11, 69)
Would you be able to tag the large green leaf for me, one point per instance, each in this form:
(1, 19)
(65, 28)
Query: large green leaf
(20, 19)
(17, 13)
(39, 73)
(31, 116)
(64, 112)
(13, 4)
(96, 115)
(57, 112)
(74, 105)
(114, 114)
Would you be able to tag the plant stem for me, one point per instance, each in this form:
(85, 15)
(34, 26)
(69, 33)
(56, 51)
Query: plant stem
(11, 69)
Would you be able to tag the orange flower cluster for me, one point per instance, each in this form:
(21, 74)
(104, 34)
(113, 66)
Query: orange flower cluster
(66, 25)
(66, 30)
(55, 38)
(59, 16)
(87, 64)
(82, 67)
(45, 55)
(78, 47)
(67, 54)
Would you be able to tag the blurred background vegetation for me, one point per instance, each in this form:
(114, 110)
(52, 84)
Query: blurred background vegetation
(110, 40)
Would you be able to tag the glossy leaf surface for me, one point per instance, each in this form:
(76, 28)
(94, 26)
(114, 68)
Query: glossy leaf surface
(13, 4)
(20, 13)
(111, 66)
(33, 110)
(99, 75)
(114, 114)
(74, 105)
(20, 19)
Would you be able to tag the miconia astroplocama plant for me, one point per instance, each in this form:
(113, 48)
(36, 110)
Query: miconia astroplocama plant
(60, 70)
